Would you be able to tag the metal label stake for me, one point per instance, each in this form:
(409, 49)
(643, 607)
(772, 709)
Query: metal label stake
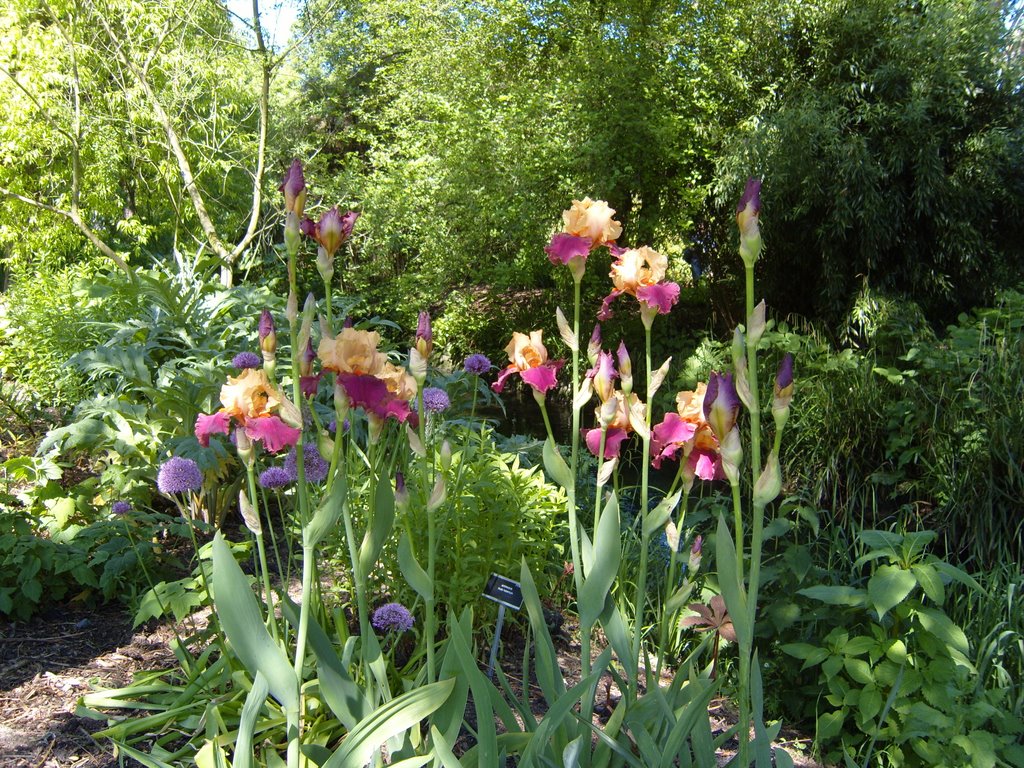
(506, 593)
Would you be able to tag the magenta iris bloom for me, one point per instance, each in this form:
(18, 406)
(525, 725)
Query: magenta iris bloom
(613, 440)
(564, 247)
(669, 437)
(272, 432)
(210, 424)
(372, 395)
(660, 296)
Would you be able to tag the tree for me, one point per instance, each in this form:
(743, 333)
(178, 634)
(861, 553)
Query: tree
(892, 157)
(137, 123)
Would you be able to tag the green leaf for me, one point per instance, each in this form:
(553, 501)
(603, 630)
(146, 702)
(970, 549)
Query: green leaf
(889, 586)
(327, 513)
(247, 722)
(549, 673)
(555, 465)
(830, 724)
(412, 570)
(604, 567)
(660, 515)
(380, 526)
(836, 595)
(242, 622)
(859, 671)
(395, 717)
(930, 582)
(870, 703)
(728, 580)
(940, 625)
(347, 700)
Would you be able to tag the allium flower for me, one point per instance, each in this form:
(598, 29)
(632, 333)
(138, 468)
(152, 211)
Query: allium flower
(246, 360)
(275, 477)
(313, 464)
(392, 617)
(179, 475)
(529, 358)
(435, 400)
(477, 364)
(121, 507)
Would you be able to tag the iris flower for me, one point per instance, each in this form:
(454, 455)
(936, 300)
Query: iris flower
(687, 435)
(529, 358)
(252, 402)
(640, 272)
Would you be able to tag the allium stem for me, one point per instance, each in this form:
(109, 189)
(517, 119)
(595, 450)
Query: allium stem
(261, 549)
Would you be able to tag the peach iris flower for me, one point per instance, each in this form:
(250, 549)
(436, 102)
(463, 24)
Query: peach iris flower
(529, 358)
(352, 351)
(640, 272)
(687, 432)
(591, 219)
(250, 400)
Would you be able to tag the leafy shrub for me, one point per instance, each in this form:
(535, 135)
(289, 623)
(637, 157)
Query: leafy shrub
(56, 545)
(895, 672)
(499, 512)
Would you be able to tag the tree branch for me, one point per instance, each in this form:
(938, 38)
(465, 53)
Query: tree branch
(75, 219)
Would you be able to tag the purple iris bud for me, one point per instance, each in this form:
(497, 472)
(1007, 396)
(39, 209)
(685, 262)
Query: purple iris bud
(274, 477)
(721, 404)
(751, 197)
(121, 507)
(784, 378)
(294, 188)
(179, 475)
(477, 364)
(392, 617)
(435, 400)
(246, 360)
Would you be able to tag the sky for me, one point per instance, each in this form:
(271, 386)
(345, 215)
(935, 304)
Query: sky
(277, 16)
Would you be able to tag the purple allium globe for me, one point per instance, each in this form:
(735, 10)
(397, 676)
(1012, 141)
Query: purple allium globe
(246, 360)
(121, 507)
(313, 464)
(179, 475)
(275, 477)
(435, 400)
(392, 617)
(477, 364)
